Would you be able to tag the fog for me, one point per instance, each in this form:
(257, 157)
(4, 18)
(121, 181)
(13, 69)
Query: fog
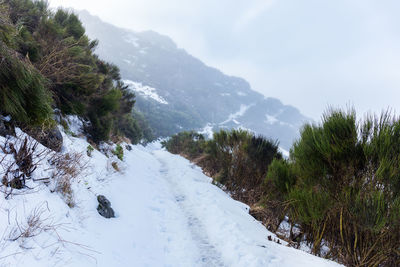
(310, 54)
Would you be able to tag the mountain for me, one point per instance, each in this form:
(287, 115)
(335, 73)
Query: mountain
(176, 91)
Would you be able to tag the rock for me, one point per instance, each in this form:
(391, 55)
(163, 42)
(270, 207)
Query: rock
(51, 138)
(54, 140)
(3, 130)
(128, 147)
(104, 207)
(6, 128)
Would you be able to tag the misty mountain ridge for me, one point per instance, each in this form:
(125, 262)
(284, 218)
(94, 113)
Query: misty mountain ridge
(176, 91)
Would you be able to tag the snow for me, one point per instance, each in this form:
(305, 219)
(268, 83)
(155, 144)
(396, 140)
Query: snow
(146, 91)
(5, 118)
(168, 213)
(75, 124)
(239, 113)
(273, 119)
(241, 127)
(222, 226)
(241, 94)
(207, 131)
(132, 40)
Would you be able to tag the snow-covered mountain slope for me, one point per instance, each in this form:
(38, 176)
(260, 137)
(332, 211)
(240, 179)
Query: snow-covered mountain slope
(196, 94)
(168, 213)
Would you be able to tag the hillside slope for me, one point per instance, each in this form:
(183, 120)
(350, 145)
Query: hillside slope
(176, 91)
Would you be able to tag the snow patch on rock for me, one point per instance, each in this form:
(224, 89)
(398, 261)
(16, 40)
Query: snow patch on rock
(146, 91)
(132, 40)
(238, 114)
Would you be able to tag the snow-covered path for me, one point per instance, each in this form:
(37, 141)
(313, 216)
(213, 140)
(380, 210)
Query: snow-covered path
(208, 255)
(222, 231)
(168, 213)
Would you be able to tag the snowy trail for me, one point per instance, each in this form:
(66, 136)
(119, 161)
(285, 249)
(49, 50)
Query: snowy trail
(168, 214)
(209, 256)
(177, 217)
(221, 228)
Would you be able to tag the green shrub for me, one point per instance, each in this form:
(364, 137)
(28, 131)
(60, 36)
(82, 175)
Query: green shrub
(89, 150)
(129, 127)
(119, 152)
(188, 143)
(346, 191)
(23, 92)
(237, 159)
(43, 51)
(141, 122)
(281, 175)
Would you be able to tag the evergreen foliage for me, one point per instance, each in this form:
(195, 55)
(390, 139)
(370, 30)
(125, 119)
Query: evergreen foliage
(188, 143)
(44, 51)
(119, 152)
(23, 92)
(143, 124)
(237, 159)
(89, 150)
(168, 119)
(346, 195)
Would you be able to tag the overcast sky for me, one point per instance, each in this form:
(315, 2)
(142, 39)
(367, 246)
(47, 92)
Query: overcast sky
(308, 53)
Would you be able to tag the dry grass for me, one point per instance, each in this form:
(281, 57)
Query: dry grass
(35, 224)
(114, 164)
(67, 167)
(22, 157)
(26, 158)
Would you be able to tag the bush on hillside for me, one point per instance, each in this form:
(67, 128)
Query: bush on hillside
(237, 159)
(23, 92)
(241, 160)
(43, 51)
(342, 183)
(187, 143)
(119, 152)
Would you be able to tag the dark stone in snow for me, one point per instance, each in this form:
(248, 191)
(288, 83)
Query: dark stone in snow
(3, 130)
(104, 207)
(6, 128)
(128, 147)
(51, 138)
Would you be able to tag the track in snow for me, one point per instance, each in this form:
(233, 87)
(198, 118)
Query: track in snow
(208, 255)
